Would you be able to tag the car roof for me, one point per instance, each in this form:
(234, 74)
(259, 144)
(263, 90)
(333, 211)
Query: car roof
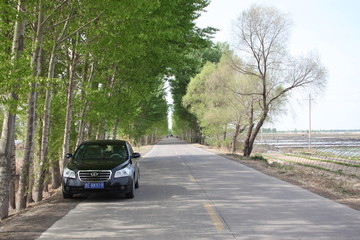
(100, 142)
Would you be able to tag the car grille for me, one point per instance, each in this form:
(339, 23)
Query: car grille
(94, 175)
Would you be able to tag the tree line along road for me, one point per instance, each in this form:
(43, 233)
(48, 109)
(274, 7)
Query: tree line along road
(189, 193)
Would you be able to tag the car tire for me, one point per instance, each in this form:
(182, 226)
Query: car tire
(137, 182)
(67, 195)
(131, 194)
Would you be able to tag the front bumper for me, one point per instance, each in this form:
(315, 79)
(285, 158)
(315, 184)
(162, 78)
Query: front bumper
(115, 185)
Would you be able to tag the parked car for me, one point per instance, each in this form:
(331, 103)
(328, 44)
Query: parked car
(101, 166)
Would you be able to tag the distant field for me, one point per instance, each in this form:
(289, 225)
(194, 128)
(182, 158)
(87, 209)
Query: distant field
(318, 139)
(330, 151)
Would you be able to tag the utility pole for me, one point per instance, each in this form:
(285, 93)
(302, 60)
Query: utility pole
(310, 121)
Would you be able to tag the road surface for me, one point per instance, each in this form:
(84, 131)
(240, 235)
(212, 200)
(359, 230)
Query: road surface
(189, 193)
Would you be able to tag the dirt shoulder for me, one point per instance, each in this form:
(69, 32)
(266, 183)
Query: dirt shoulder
(31, 222)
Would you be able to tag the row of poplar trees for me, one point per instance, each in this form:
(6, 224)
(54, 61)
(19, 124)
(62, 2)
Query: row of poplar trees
(73, 70)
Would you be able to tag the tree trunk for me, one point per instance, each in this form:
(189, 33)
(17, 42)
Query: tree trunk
(38, 187)
(247, 146)
(29, 196)
(37, 66)
(55, 175)
(55, 168)
(153, 139)
(42, 161)
(90, 130)
(7, 139)
(238, 130)
(26, 185)
(69, 107)
(114, 135)
(82, 124)
(12, 191)
(26, 172)
(225, 132)
(8, 130)
(46, 181)
(249, 143)
(101, 130)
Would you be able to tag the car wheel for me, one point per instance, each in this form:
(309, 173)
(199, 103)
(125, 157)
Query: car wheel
(137, 181)
(131, 194)
(137, 184)
(67, 195)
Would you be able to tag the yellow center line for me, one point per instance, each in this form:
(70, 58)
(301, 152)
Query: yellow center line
(214, 217)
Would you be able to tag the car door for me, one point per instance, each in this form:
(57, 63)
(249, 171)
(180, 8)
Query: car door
(134, 162)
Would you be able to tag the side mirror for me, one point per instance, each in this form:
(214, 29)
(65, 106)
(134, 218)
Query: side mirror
(68, 155)
(136, 155)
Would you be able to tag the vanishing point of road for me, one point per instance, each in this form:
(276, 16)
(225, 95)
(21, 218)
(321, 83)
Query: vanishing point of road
(189, 193)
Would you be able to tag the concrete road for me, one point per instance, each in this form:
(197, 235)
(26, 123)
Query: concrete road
(189, 193)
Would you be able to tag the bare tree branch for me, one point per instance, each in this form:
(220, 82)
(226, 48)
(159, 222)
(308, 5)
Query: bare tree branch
(54, 11)
(262, 35)
(80, 28)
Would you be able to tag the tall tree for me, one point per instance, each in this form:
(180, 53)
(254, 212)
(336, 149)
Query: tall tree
(8, 129)
(26, 174)
(123, 51)
(184, 122)
(59, 36)
(262, 34)
(211, 97)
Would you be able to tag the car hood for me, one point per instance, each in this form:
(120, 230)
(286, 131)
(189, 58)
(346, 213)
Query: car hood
(96, 164)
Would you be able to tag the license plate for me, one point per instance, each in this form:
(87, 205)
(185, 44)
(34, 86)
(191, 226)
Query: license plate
(99, 185)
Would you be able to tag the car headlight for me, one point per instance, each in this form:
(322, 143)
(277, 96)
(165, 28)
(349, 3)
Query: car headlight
(69, 173)
(125, 172)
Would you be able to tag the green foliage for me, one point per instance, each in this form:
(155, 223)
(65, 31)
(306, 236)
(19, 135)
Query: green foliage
(213, 98)
(183, 119)
(125, 51)
(151, 114)
(258, 157)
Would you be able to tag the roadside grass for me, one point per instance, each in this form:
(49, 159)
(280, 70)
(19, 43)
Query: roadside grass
(257, 157)
(339, 155)
(309, 165)
(280, 163)
(322, 160)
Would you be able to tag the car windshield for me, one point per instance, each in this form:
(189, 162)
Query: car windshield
(104, 151)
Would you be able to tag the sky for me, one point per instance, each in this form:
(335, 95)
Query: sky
(331, 28)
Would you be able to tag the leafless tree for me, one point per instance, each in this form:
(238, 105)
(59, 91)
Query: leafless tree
(261, 41)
